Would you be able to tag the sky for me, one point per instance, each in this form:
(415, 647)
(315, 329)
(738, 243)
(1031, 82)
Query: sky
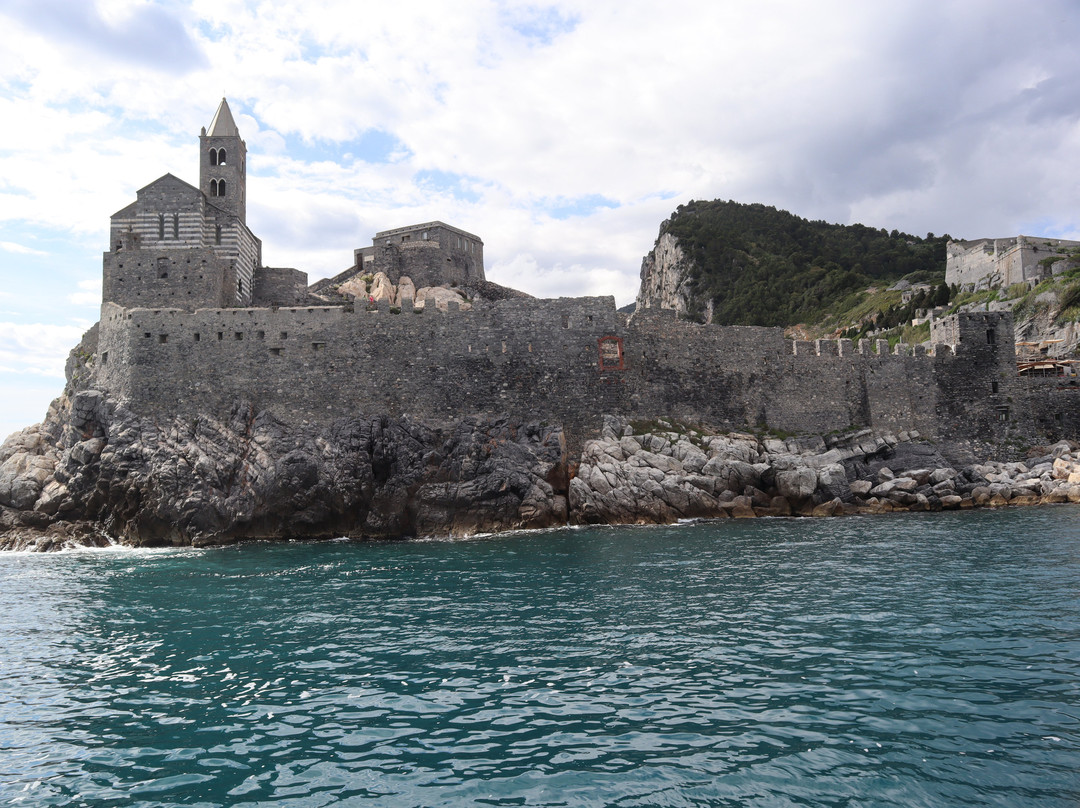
(561, 133)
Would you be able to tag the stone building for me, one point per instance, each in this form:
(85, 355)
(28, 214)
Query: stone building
(186, 246)
(993, 263)
(431, 254)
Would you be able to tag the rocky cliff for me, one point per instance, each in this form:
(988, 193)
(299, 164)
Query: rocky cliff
(95, 472)
(665, 278)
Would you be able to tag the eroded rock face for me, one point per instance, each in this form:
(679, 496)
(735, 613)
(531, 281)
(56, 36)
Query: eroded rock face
(406, 289)
(246, 475)
(441, 295)
(665, 277)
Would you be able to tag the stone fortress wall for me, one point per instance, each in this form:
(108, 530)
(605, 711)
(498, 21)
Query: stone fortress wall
(569, 361)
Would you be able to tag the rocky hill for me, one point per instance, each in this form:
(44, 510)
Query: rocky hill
(736, 264)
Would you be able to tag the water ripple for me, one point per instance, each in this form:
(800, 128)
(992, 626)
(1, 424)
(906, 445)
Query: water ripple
(915, 661)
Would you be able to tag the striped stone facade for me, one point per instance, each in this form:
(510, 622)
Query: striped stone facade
(171, 218)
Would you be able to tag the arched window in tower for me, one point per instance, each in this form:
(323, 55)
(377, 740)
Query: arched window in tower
(161, 225)
(213, 187)
(213, 157)
(221, 157)
(221, 188)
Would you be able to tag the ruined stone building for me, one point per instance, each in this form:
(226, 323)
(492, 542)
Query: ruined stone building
(1000, 262)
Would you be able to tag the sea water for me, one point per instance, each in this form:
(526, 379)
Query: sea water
(914, 660)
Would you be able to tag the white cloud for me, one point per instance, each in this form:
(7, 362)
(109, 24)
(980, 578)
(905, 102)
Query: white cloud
(38, 349)
(89, 293)
(12, 247)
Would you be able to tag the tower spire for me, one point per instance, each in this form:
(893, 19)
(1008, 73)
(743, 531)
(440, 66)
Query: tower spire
(223, 124)
(222, 169)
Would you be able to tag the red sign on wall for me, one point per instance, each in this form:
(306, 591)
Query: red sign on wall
(611, 353)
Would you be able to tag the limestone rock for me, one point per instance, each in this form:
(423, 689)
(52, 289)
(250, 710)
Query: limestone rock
(356, 286)
(665, 277)
(382, 288)
(406, 290)
(861, 488)
(441, 296)
(796, 484)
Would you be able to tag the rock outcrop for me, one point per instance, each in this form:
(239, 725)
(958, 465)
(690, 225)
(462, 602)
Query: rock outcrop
(95, 473)
(664, 475)
(94, 470)
(441, 297)
(666, 282)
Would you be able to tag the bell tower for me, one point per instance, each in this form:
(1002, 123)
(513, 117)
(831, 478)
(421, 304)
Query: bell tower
(222, 164)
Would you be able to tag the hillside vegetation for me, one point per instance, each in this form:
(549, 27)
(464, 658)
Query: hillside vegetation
(762, 266)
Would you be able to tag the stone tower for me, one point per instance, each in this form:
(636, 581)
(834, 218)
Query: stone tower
(222, 164)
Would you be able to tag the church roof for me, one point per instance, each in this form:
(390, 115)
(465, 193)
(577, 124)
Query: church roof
(223, 124)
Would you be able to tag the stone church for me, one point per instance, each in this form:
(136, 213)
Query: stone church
(185, 247)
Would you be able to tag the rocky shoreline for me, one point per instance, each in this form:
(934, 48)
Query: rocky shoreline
(95, 474)
(665, 475)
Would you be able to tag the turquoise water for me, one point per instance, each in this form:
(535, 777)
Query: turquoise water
(917, 660)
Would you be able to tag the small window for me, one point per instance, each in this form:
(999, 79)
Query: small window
(318, 346)
(217, 234)
(262, 335)
(221, 188)
(213, 187)
(993, 387)
(220, 335)
(161, 225)
(991, 337)
(1003, 413)
(147, 335)
(176, 225)
(163, 338)
(284, 334)
(105, 359)
(198, 336)
(221, 157)
(213, 157)
(240, 288)
(238, 335)
(611, 353)
(275, 351)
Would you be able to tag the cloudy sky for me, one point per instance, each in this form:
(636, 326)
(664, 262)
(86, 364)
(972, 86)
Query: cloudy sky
(562, 133)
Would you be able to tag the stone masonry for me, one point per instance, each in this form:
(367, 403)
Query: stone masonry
(190, 325)
(1002, 262)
